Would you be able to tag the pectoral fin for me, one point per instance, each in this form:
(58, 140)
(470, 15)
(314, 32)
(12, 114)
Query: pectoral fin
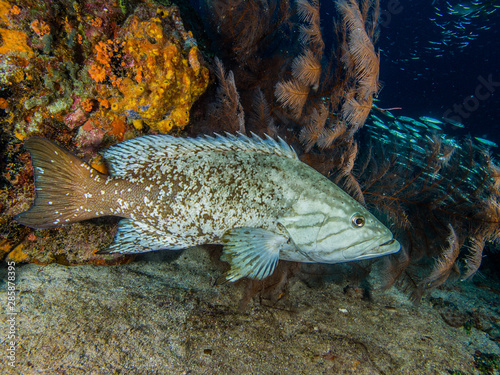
(251, 252)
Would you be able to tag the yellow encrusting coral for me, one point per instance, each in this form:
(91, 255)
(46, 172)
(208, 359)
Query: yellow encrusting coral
(12, 41)
(149, 75)
(17, 254)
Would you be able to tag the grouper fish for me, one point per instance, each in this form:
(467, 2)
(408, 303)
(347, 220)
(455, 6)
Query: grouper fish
(250, 194)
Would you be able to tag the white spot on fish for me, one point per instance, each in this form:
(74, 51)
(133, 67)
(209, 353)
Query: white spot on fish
(102, 192)
(49, 203)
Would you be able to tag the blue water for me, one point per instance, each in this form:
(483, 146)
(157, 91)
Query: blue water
(431, 63)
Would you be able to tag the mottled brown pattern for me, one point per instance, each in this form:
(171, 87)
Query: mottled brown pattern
(252, 195)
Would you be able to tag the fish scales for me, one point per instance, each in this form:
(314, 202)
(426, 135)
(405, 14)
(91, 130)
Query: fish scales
(211, 192)
(253, 195)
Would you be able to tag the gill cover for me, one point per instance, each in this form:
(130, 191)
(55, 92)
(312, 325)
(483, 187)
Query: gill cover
(303, 223)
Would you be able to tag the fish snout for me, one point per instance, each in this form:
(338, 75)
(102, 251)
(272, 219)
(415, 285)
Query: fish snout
(372, 249)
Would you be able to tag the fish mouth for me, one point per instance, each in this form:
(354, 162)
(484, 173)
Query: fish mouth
(390, 246)
(387, 243)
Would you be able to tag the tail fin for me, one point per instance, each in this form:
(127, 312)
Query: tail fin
(61, 183)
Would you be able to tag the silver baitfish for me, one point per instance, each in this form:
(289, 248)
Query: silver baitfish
(254, 196)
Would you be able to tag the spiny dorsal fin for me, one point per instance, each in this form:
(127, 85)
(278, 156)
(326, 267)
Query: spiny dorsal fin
(129, 157)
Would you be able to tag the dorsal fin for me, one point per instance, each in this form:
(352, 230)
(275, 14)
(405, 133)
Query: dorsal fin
(129, 157)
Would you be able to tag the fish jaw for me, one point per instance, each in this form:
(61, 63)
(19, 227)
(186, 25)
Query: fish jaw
(361, 251)
(385, 245)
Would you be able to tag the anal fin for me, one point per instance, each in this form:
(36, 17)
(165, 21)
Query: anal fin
(134, 237)
(251, 252)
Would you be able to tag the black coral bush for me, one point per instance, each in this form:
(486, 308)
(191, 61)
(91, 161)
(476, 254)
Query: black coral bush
(438, 194)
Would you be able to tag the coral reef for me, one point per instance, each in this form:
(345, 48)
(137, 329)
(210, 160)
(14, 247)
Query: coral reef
(323, 93)
(149, 73)
(111, 79)
(87, 75)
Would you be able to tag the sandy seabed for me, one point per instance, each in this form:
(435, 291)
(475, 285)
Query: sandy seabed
(165, 314)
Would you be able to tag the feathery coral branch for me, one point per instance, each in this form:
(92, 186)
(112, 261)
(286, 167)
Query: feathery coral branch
(310, 34)
(394, 267)
(227, 111)
(260, 116)
(328, 136)
(312, 131)
(307, 69)
(355, 112)
(445, 263)
(308, 12)
(359, 57)
(292, 94)
(474, 258)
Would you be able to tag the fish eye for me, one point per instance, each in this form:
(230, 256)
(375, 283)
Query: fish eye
(358, 220)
